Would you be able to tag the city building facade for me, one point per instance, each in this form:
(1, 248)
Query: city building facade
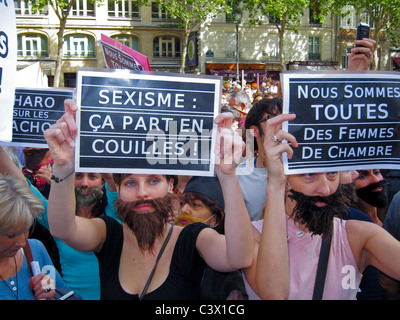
(217, 47)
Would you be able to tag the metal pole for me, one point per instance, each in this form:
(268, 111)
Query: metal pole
(237, 52)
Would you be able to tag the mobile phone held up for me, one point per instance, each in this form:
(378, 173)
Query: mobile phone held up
(362, 31)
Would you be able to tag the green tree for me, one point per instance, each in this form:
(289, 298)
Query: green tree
(384, 16)
(62, 9)
(191, 14)
(284, 14)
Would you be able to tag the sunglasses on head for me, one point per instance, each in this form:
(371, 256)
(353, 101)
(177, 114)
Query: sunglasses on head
(266, 118)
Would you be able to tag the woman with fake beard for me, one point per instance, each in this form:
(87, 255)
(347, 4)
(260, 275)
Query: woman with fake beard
(131, 266)
(93, 198)
(299, 215)
(372, 199)
(202, 201)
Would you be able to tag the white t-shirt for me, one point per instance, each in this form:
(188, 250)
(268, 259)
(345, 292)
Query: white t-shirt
(253, 182)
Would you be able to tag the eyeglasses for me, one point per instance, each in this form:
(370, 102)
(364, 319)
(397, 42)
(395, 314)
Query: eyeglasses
(266, 118)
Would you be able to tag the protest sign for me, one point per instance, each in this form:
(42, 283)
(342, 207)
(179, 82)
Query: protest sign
(118, 56)
(35, 110)
(8, 67)
(344, 121)
(146, 122)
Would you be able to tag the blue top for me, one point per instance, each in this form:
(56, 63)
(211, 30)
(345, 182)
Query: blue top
(19, 284)
(80, 269)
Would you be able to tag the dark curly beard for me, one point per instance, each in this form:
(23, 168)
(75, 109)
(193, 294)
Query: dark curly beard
(147, 227)
(375, 199)
(318, 220)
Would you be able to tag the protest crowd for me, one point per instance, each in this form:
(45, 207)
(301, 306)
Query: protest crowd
(250, 232)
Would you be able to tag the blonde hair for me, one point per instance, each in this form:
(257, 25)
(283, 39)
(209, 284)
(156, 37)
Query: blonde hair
(18, 205)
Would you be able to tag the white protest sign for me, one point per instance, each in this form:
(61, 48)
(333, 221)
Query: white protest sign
(8, 67)
(344, 121)
(139, 122)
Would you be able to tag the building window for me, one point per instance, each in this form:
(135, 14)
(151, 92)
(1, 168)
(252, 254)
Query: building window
(78, 45)
(314, 12)
(166, 47)
(345, 57)
(366, 18)
(129, 41)
(70, 80)
(157, 12)
(123, 9)
(272, 48)
(313, 49)
(22, 7)
(230, 44)
(32, 45)
(83, 8)
(349, 21)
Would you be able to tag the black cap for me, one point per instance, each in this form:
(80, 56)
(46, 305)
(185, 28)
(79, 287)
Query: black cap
(208, 186)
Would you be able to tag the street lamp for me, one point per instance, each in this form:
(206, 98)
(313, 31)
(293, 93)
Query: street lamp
(238, 17)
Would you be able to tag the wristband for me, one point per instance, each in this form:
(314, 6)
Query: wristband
(57, 180)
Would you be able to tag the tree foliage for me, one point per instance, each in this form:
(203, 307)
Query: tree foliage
(284, 14)
(62, 9)
(384, 16)
(190, 14)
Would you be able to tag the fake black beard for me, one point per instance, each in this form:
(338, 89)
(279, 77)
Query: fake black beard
(83, 200)
(149, 226)
(318, 220)
(376, 199)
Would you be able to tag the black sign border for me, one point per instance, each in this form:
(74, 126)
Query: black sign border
(315, 167)
(127, 74)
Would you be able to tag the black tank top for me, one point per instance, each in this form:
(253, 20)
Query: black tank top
(186, 269)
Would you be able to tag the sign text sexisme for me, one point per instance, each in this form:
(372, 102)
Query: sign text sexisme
(140, 98)
(161, 130)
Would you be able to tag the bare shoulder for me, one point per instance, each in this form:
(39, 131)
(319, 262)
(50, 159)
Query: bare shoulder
(374, 246)
(208, 234)
(176, 231)
(365, 238)
(358, 232)
(358, 227)
(355, 225)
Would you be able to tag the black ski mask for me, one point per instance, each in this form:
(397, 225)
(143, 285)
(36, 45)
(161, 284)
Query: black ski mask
(376, 199)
